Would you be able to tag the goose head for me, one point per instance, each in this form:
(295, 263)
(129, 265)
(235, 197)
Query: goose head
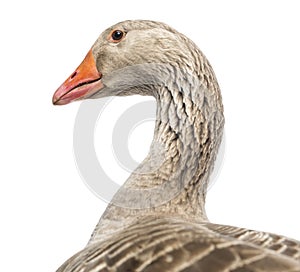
(122, 60)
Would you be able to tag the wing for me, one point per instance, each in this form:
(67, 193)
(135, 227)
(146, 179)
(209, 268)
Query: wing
(277, 243)
(164, 245)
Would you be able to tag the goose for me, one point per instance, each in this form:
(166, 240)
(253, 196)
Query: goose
(157, 220)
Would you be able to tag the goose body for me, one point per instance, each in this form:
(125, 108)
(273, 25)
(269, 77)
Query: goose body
(157, 220)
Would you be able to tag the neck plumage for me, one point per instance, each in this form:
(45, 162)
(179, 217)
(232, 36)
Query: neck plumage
(172, 180)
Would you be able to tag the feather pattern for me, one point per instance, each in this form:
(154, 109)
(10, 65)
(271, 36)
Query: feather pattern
(167, 244)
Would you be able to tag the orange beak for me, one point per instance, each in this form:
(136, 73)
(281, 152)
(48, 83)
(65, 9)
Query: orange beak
(85, 81)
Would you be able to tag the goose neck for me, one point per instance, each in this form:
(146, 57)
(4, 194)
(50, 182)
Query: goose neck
(172, 180)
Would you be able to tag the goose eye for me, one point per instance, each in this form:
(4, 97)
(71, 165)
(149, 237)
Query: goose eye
(116, 36)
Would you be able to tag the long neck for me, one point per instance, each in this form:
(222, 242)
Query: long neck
(173, 178)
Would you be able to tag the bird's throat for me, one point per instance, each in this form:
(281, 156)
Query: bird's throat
(173, 178)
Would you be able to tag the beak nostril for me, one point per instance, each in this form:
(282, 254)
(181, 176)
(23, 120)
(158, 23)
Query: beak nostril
(73, 75)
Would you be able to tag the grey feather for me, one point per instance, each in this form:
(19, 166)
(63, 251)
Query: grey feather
(157, 220)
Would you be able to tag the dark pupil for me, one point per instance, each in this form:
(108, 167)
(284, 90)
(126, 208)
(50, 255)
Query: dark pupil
(117, 35)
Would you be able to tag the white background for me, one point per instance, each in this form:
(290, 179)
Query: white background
(47, 212)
